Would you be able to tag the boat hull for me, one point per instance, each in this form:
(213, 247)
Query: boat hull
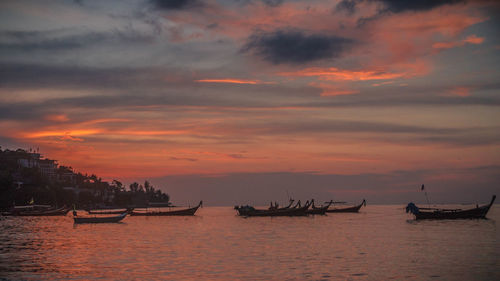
(317, 211)
(96, 212)
(290, 212)
(100, 220)
(184, 212)
(476, 213)
(353, 209)
(56, 212)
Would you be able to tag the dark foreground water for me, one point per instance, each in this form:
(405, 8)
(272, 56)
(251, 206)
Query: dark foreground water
(379, 243)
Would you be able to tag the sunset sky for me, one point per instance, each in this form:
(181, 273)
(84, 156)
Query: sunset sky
(244, 100)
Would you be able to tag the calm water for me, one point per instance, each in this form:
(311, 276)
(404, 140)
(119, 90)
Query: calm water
(379, 243)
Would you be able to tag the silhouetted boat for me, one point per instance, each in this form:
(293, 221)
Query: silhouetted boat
(110, 212)
(353, 209)
(26, 212)
(276, 207)
(447, 214)
(318, 210)
(249, 211)
(183, 212)
(100, 219)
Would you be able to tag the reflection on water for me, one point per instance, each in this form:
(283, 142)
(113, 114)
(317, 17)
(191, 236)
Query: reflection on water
(379, 243)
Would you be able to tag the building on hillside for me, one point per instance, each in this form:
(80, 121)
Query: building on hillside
(48, 168)
(31, 161)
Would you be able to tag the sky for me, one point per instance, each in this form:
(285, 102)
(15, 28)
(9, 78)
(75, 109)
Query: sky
(246, 101)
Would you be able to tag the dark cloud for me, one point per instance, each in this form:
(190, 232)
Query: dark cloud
(270, 3)
(347, 6)
(148, 86)
(30, 76)
(295, 47)
(397, 6)
(273, 3)
(379, 131)
(175, 4)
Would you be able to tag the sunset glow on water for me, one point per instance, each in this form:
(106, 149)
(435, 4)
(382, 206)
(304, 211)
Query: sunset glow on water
(379, 243)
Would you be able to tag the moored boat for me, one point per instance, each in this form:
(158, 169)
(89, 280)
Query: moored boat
(318, 210)
(448, 214)
(36, 212)
(249, 211)
(100, 219)
(353, 209)
(183, 212)
(110, 212)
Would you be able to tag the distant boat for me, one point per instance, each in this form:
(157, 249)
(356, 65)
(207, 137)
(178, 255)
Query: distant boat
(353, 209)
(249, 211)
(100, 219)
(447, 214)
(110, 212)
(183, 212)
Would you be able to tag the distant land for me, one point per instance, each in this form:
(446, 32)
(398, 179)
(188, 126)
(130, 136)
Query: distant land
(26, 177)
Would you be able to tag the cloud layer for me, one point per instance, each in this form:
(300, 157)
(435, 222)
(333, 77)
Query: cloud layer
(207, 92)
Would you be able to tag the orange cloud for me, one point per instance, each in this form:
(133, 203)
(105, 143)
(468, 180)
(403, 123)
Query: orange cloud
(333, 73)
(473, 39)
(57, 117)
(383, 83)
(70, 133)
(105, 120)
(328, 90)
(460, 91)
(407, 37)
(149, 133)
(231, 81)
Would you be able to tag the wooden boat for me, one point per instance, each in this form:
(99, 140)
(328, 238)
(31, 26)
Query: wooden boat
(183, 212)
(28, 208)
(276, 207)
(318, 210)
(448, 214)
(110, 212)
(249, 211)
(100, 219)
(40, 212)
(353, 209)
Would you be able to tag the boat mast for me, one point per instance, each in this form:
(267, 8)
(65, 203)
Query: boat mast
(426, 197)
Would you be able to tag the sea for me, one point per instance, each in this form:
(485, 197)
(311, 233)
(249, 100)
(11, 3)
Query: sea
(381, 242)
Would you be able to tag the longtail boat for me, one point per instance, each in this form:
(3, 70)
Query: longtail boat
(183, 212)
(249, 211)
(100, 219)
(277, 207)
(37, 213)
(353, 209)
(318, 210)
(110, 212)
(448, 214)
